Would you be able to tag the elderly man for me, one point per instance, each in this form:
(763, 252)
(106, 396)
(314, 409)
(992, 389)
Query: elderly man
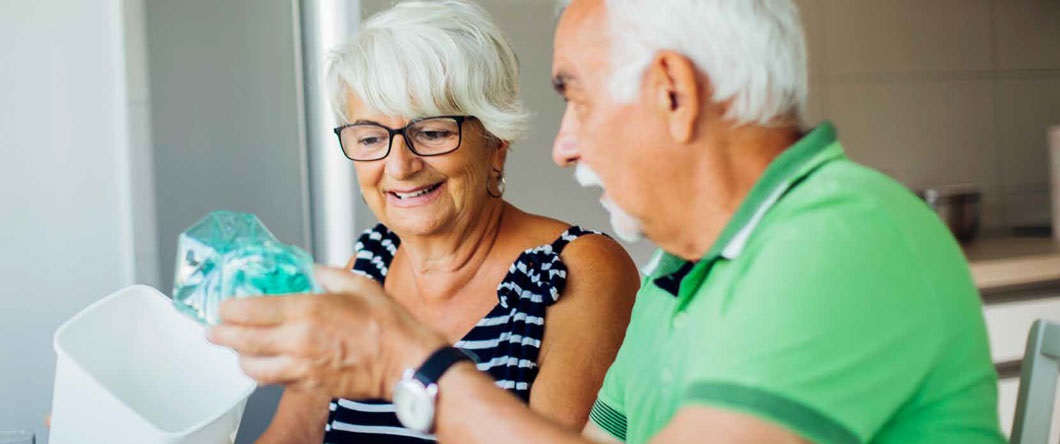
(798, 297)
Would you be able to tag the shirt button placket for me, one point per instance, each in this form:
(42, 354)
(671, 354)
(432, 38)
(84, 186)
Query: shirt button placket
(679, 320)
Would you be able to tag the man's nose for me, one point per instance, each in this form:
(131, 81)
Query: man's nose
(565, 148)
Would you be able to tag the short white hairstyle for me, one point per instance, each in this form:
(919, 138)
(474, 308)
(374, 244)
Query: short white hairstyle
(753, 51)
(427, 58)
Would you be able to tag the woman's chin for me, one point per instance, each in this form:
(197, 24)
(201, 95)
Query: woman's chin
(415, 225)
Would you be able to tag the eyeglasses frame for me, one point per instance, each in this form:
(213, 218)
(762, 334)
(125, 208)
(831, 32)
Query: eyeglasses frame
(403, 131)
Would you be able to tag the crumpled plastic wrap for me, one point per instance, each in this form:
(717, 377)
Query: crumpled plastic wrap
(232, 255)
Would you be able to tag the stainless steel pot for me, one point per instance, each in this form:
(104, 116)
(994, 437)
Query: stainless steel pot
(959, 207)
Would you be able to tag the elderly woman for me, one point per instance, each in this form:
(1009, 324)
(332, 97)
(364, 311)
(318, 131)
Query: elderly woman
(428, 97)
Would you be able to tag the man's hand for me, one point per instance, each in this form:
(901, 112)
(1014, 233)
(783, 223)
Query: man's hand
(353, 341)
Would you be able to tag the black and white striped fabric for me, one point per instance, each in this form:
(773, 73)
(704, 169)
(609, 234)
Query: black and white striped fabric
(506, 341)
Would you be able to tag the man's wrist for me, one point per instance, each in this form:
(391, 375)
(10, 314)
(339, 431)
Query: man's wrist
(458, 371)
(409, 354)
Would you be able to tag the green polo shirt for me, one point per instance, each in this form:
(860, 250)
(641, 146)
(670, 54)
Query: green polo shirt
(834, 304)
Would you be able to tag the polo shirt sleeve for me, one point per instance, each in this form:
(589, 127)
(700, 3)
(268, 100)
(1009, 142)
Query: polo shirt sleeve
(827, 330)
(609, 419)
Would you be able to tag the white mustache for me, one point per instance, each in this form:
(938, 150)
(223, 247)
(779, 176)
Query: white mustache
(586, 177)
(627, 227)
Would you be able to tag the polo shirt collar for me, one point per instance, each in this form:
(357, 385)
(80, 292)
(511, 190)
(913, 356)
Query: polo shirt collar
(794, 164)
(815, 149)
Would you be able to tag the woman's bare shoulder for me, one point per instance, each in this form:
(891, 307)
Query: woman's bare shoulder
(589, 250)
(521, 230)
(599, 257)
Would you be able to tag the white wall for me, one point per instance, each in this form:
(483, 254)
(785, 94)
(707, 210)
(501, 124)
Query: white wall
(66, 224)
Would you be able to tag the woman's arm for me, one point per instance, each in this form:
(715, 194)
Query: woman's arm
(299, 419)
(584, 329)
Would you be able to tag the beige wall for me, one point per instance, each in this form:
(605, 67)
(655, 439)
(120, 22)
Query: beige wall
(943, 91)
(931, 92)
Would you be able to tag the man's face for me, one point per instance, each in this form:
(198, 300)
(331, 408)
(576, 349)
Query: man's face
(613, 139)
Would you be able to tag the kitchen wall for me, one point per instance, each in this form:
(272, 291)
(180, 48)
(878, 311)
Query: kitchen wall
(943, 91)
(74, 224)
(932, 92)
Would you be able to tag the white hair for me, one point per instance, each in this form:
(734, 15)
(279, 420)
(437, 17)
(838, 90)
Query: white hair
(420, 59)
(753, 51)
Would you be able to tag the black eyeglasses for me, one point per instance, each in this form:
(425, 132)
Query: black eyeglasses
(430, 136)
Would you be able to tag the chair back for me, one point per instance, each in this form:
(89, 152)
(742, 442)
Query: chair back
(1041, 367)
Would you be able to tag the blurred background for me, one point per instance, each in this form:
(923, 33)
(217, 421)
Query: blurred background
(122, 122)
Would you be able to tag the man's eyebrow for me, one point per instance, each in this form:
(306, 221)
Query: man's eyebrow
(364, 121)
(560, 81)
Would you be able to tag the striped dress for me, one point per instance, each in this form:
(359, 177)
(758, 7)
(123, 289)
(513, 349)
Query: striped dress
(505, 342)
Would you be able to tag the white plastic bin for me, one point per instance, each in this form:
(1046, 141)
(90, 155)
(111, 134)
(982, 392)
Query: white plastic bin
(132, 369)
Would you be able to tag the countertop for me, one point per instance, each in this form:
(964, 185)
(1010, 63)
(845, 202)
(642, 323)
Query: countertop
(1000, 263)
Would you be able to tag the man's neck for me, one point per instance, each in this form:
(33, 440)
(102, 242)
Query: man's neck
(729, 165)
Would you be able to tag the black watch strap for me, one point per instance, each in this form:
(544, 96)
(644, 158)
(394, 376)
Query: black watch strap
(438, 363)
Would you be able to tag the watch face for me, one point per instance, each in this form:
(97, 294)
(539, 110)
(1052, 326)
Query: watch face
(414, 405)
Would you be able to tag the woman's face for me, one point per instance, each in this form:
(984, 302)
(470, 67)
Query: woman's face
(415, 195)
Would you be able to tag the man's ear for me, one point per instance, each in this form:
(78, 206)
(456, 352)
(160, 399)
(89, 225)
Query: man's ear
(674, 87)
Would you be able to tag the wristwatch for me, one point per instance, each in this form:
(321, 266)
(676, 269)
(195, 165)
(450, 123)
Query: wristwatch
(417, 392)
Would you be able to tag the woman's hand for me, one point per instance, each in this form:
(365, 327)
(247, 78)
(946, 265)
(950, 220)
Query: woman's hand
(353, 341)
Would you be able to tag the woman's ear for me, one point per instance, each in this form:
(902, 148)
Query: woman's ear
(500, 155)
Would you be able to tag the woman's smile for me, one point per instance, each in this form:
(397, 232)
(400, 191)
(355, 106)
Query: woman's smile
(414, 197)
